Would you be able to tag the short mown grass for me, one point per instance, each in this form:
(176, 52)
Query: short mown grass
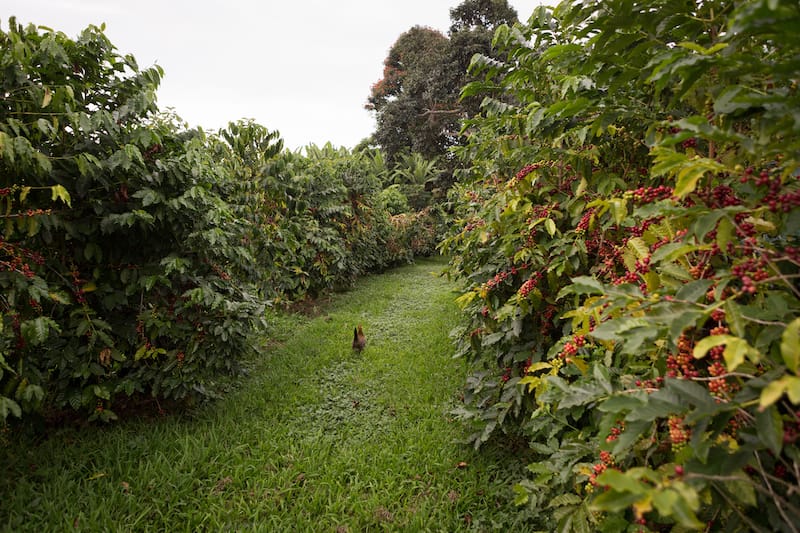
(316, 438)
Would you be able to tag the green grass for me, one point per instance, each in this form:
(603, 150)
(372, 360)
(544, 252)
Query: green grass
(317, 438)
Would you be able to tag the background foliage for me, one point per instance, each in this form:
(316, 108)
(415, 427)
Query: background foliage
(629, 250)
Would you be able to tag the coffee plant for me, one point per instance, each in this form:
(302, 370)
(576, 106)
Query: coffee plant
(137, 255)
(118, 246)
(628, 243)
(318, 220)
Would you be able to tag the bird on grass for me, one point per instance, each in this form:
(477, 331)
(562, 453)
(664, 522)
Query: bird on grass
(359, 340)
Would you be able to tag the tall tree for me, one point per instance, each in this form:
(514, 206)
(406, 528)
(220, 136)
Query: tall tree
(481, 15)
(472, 28)
(417, 101)
(406, 98)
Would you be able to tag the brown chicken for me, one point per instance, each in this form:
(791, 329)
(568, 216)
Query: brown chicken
(359, 340)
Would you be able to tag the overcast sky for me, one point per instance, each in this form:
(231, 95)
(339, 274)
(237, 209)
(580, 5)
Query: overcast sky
(301, 67)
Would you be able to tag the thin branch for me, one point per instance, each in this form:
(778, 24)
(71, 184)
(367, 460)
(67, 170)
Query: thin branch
(774, 495)
(441, 112)
(768, 492)
(726, 375)
(736, 509)
(764, 322)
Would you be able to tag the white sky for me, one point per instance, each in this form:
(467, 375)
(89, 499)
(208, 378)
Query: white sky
(301, 67)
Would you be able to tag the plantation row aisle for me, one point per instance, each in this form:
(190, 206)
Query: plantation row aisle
(318, 438)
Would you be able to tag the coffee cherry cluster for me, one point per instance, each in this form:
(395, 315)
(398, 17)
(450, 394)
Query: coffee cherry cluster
(786, 202)
(628, 277)
(650, 385)
(773, 199)
(547, 320)
(643, 265)
(615, 431)
(220, 272)
(682, 364)
(568, 351)
(527, 169)
(585, 221)
(77, 286)
(718, 387)
(647, 195)
(723, 196)
(679, 435)
(606, 461)
(750, 272)
(791, 430)
(701, 270)
(792, 254)
(498, 278)
(529, 285)
(638, 231)
(472, 225)
(17, 259)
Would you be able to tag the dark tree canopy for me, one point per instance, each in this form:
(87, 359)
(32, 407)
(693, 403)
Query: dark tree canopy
(410, 89)
(481, 15)
(417, 101)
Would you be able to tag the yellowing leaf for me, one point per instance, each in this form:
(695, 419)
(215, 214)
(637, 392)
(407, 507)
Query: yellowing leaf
(60, 193)
(23, 194)
(550, 226)
(734, 353)
(687, 179)
(736, 349)
(704, 345)
(690, 173)
(639, 247)
(653, 281)
(790, 346)
(619, 207)
(772, 393)
(580, 364)
(643, 506)
(761, 225)
(531, 381)
(58, 298)
(521, 495)
(535, 367)
(466, 298)
(581, 188)
(793, 389)
(48, 96)
(701, 50)
(141, 352)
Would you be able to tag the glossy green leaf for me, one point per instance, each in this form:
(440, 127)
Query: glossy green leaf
(769, 426)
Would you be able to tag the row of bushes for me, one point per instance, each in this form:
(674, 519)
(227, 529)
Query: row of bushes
(629, 244)
(137, 255)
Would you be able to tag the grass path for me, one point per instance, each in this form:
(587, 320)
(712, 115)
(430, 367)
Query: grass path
(318, 438)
